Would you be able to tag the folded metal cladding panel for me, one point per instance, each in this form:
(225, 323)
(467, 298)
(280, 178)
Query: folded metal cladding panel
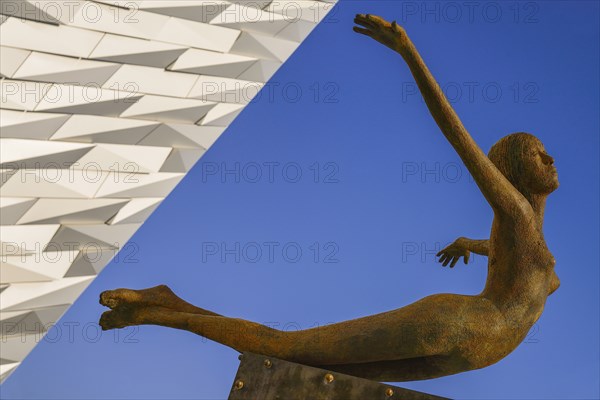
(106, 106)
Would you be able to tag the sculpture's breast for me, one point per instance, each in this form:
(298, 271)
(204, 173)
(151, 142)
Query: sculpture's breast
(542, 256)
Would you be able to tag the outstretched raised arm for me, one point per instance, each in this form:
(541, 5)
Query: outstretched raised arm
(498, 191)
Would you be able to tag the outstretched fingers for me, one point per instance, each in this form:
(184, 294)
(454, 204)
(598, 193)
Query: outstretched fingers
(367, 25)
(447, 261)
(365, 20)
(454, 261)
(442, 258)
(446, 258)
(362, 31)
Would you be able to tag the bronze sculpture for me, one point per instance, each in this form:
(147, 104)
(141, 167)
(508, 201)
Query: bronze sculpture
(441, 334)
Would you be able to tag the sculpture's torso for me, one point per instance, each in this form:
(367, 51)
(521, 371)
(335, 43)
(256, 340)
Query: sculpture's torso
(520, 270)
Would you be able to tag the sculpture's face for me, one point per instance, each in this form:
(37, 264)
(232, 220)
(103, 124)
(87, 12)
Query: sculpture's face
(540, 173)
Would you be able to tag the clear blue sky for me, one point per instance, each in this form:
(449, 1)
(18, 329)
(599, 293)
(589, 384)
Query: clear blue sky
(389, 189)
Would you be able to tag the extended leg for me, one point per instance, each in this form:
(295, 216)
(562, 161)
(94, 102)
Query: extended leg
(249, 336)
(238, 334)
(410, 332)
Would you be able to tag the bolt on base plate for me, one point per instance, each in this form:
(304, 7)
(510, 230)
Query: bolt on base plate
(267, 378)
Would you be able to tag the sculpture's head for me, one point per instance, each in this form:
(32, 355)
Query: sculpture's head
(522, 159)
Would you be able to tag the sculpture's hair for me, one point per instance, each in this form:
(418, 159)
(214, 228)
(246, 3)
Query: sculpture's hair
(507, 155)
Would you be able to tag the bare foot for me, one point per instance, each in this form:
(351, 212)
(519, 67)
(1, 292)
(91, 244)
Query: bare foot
(118, 318)
(156, 296)
(135, 314)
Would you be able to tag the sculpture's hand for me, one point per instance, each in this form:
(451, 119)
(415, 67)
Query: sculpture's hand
(453, 252)
(390, 34)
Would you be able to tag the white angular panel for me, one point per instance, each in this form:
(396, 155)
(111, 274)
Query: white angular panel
(38, 36)
(253, 44)
(53, 265)
(212, 63)
(6, 174)
(296, 31)
(261, 71)
(55, 183)
(27, 10)
(183, 135)
(196, 34)
(72, 211)
(137, 210)
(32, 295)
(225, 90)
(22, 95)
(29, 321)
(15, 348)
(7, 368)
(31, 239)
(11, 59)
(251, 19)
(98, 129)
(46, 11)
(195, 10)
(222, 114)
(127, 50)
(152, 81)
(76, 99)
(28, 125)
(126, 158)
(182, 160)
(106, 105)
(23, 153)
(91, 238)
(52, 68)
(134, 23)
(169, 109)
(13, 208)
(91, 261)
(121, 184)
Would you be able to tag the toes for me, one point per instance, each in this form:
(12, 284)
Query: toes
(109, 320)
(155, 296)
(120, 318)
(119, 297)
(109, 299)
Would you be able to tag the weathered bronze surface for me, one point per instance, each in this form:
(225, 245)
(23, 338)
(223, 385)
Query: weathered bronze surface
(267, 378)
(441, 334)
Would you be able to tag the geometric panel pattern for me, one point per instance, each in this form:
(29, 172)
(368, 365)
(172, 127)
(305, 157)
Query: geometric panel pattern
(105, 106)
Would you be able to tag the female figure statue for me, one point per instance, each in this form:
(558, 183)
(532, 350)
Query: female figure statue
(441, 334)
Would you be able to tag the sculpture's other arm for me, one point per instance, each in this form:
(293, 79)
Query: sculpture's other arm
(462, 247)
(498, 191)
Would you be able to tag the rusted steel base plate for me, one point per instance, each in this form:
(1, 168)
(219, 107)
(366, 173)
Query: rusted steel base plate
(266, 378)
